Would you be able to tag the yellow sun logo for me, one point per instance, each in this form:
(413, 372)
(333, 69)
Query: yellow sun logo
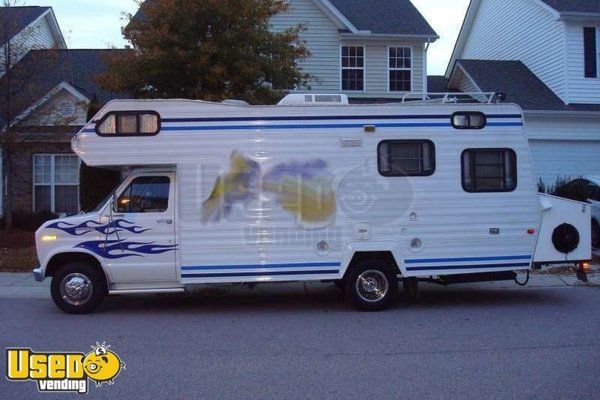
(102, 365)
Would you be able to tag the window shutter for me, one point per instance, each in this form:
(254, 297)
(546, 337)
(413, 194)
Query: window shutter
(590, 46)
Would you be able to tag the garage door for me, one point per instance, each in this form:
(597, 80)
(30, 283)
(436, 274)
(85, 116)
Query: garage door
(554, 158)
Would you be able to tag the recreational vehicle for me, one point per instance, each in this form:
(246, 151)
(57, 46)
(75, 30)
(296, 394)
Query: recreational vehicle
(363, 196)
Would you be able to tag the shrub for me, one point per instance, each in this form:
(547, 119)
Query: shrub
(29, 221)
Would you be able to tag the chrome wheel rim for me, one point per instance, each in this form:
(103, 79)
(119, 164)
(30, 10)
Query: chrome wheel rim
(372, 286)
(76, 289)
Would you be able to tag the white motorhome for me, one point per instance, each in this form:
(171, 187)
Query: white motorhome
(311, 189)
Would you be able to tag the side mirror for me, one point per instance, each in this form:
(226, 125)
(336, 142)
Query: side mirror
(115, 203)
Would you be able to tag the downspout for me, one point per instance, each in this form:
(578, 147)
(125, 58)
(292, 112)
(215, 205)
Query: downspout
(425, 86)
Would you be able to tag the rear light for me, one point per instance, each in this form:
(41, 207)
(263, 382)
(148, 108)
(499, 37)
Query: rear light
(531, 231)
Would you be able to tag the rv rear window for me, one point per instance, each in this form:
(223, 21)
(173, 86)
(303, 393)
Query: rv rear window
(469, 120)
(406, 158)
(129, 123)
(489, 170)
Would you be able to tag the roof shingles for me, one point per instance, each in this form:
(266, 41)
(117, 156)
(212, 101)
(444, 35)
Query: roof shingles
(520, 85)
(40, 71)
(392, 17)
(575, 6)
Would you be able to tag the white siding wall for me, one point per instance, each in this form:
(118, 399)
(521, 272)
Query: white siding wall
(49, 114)
(564, 146)
(580, 89)
(322, 39)
(376, 53)
(34, 37)
(324, 43)
(520, 30)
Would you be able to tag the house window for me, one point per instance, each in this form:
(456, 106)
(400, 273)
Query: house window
(353, 68)
(489, 170)
(400, 69)
(56, 183)
(591, 49)
(406, 158)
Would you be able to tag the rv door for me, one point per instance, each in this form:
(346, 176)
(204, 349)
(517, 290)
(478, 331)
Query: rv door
(140, 244)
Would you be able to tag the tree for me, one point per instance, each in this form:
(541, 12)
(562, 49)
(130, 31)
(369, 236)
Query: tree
(11, 52)
(208, 49)
(17, 89)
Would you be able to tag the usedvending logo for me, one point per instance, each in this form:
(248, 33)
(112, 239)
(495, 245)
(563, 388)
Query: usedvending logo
(57, 372)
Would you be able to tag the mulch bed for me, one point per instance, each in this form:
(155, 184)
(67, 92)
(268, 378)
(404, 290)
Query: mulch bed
(16, 239)
(17, 251)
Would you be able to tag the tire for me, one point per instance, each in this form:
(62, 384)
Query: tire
(371, 285)
(87, 288)
(595, 235)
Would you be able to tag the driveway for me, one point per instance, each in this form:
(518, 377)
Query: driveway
(492, 341)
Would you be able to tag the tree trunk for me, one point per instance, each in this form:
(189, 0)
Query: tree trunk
(8, 215)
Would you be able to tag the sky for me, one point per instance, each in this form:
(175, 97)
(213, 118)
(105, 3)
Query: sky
(97, 24)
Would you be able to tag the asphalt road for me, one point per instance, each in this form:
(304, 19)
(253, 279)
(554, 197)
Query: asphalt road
(455, 343)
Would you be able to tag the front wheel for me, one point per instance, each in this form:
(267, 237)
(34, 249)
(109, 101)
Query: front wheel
(371, 285)
(595, 235)
(78, 288)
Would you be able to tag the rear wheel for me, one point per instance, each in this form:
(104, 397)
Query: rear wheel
(78, 288)
(371, 285)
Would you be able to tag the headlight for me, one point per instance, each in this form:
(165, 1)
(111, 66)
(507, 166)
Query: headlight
(49, 238)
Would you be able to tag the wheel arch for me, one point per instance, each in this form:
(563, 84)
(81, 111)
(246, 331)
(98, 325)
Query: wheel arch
(388, 252)
(59, 259)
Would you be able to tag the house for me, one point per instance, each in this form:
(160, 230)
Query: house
(368, 50)
(545, 56)
(52, 89)
(28, 28)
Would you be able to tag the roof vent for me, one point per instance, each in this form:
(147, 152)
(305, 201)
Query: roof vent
(314, 100)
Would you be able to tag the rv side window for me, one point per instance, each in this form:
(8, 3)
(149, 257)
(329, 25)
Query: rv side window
(146, 194)
(406, 158)
(129, 123)
(489, 170)
(469, 120)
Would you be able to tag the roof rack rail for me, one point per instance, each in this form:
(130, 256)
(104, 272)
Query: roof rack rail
(452, 97)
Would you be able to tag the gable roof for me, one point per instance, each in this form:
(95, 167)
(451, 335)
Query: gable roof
(40, 71)
(388, 17)
(574, 6)
(519, 83)
(17, 19)
(383, 17)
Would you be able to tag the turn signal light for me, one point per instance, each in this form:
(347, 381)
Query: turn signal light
(531, 231)
(585, 266)
(49, 238)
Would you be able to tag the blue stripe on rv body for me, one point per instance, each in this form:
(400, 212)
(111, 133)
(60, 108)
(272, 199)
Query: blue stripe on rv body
(261, 274)
(328, 118)
(261, 266)
(322, 118)
(468, 259)
(472, 266)
(314, 126)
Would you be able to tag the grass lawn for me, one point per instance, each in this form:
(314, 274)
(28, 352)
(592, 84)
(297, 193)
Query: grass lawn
(17, 251)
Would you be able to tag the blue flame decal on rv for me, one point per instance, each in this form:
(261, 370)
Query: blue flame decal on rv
(114, 249)
(119, 225)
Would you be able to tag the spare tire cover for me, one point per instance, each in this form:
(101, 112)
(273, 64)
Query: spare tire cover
(565, 238)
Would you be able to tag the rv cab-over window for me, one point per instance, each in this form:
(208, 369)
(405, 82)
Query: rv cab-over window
(129, 123)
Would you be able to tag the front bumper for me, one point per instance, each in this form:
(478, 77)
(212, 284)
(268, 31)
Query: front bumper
(38, 274)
